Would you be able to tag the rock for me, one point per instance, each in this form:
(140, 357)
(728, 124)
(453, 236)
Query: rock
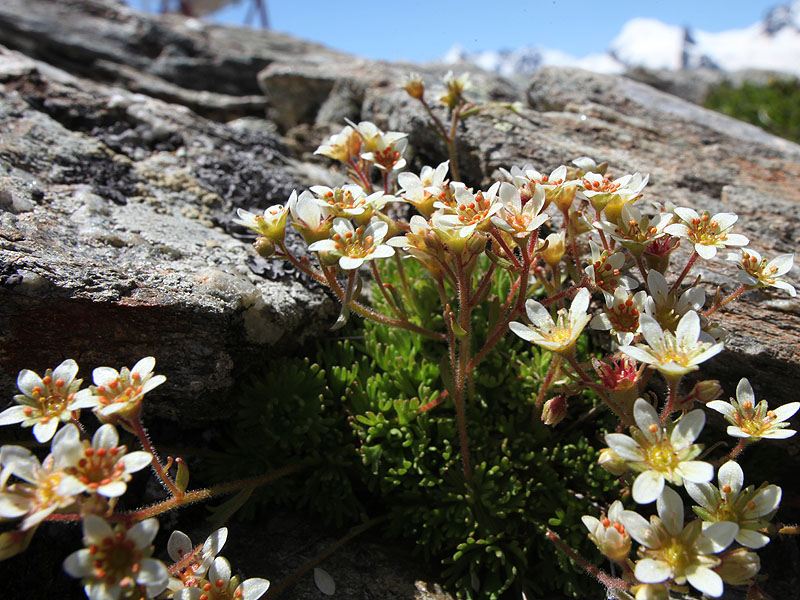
(694, 85)
(117, 237)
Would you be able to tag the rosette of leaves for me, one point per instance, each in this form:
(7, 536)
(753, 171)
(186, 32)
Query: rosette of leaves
(289, 416)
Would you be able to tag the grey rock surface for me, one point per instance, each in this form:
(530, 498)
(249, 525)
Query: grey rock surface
(116, 236)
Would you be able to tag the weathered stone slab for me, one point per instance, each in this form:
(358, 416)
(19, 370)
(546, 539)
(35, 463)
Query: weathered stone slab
(115, 237)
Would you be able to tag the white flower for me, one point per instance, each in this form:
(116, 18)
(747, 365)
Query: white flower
(755, 271)
(46, 486)
(350, 200)
(272, 224)
(384, 150)
(609, 533)
(748, 420)
(514, 218)
(604, 271)
(423, 190)
(46, 401)
(668, 308)
(604, 193)
(219, 585)
(671, 551)
(676, 354)
(634, 230)
(621, 315)
(705, 232)
(117, 561)
(120, 393)
(556, 336)
(191, 564)
(312, 219)
(343, 146)
(104, 467)
(659, 452)
(751, 509)
(471, 212)
(353, 246)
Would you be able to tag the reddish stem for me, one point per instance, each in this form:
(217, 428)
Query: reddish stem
(685, 271)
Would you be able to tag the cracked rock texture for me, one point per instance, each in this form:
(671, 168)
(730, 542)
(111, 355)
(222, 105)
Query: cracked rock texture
(127, 141)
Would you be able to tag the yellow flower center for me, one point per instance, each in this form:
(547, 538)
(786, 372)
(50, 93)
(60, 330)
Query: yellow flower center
(676, 556)
(47, 491)
(53, 405)
(661, 457)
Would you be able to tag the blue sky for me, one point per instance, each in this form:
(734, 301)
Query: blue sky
(422, 30)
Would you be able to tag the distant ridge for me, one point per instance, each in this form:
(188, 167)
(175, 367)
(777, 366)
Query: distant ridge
(771, 44)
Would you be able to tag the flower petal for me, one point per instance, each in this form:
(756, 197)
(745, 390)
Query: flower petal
(705, 251)
(625, 447)
(143, 532)
(765, 501)
(220, 569)
(782, 413)
(723, 407)
(752, 539)
(539, 315)
(705, 580)
(43, 431)
(95, 529)
(688, 429)
(66, 371)
(214, 543)
(638, 528)
(716, 537)
(580, 302)
(348, 263)
(254, 588)
(113, 489)
(144, 366)
(523, 331)
(639, 354)
(649, 570)
(645, 416)
(79, 564)
(696, 471)
(744, 392)
(27, 380)
(104, 375)
(153, 573)
(105, 437)
(731, 474)
(178, 545)
(12, 415)
(704, 494)
(136, 461)
(647, 486)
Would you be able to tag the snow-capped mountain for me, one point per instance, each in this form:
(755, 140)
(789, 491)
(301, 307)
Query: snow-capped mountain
(770, 44)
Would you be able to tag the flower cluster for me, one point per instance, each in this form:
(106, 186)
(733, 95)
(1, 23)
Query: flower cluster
(83, 479)
(534, 245)
(610, 244)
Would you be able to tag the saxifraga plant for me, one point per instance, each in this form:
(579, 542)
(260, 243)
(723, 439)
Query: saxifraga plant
(370, 415)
